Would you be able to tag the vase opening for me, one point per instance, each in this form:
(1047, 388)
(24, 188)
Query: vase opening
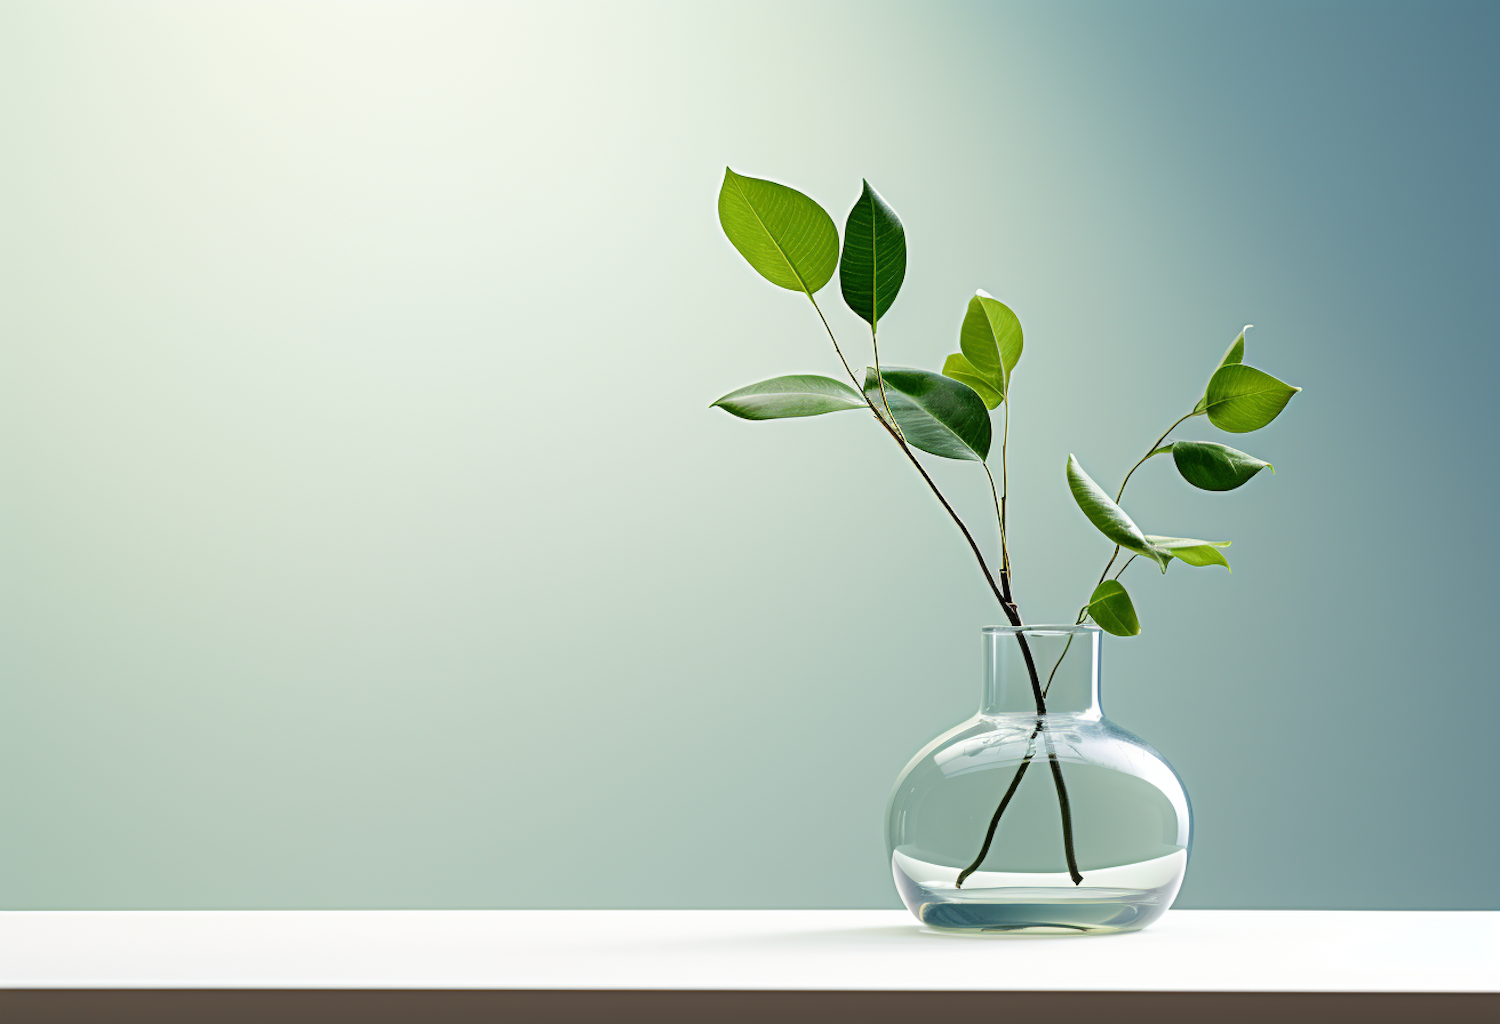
(1059, 663)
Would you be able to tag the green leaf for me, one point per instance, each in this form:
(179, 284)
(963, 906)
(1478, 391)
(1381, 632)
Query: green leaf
(1111, 608)
(874, 261)
(1234, 354)
(1108, 517)
(990, 338)
(783, 234)
(1241, 398)
(803, 394)
(937, 414)
(1193, 552)
(1214, 467)
(960, 369)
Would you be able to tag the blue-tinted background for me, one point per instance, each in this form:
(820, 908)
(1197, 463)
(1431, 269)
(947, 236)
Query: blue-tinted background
(369, 541)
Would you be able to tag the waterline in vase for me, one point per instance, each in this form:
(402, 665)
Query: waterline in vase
(1119, 898)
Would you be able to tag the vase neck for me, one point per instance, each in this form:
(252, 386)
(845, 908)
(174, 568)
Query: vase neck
(1066, 664)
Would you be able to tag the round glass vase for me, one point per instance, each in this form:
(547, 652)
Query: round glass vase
(1038, 814)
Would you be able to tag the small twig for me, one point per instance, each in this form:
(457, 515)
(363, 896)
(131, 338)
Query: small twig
(1149, 452)
(1046, 689)
(999, 518)
(1004, 465)
(880, 379)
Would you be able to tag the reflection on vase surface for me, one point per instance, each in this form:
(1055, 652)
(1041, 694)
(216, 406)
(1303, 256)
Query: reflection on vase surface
(1091, 798)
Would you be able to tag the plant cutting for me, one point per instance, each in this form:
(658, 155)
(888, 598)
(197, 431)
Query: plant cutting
(1117, 817)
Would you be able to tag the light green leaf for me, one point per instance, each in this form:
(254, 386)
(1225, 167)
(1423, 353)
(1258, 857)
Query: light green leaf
(1112, 609)
(960, 369)
(1214, 467)
(1234, 354)
(874, 260)
(803, 394)
(783, 234)
(1241, 398)
(1193, 552)
(990, 338)
(1108, 517)
(936, 413)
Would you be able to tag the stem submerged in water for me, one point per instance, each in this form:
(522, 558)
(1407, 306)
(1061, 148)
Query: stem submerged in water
(1002, 594)
(1063, 807)
(989, 835)
(1063, 804)
(1041, 693)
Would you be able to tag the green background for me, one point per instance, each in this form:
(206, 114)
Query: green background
(369, 541)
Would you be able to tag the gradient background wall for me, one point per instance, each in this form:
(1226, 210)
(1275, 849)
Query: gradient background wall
(369, 541)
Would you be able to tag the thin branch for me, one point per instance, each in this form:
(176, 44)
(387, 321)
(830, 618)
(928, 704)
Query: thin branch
(1002, 595)
(850, 372)
(1001, 591)
(1112, 556)
(999, 517)
(1004, 467)
(1121, 493)
(1046, 689)
(880, 379)
(1149, 452)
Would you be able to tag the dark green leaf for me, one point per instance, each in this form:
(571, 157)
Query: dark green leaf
(874, 261)
(991, 340)
(1241, 398)
(1111, 608)
(1193, 552)
(783, 234)
(960, 369)
(1108, 517)
(1214, 467)
(1234, 354)
(802, 394)
(936, 413)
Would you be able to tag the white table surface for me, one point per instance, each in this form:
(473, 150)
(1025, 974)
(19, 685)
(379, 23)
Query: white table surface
(1188, 950)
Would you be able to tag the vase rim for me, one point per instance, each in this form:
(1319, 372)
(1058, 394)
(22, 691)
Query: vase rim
(1041, 630)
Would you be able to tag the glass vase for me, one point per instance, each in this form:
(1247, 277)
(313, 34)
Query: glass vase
(1038, 814)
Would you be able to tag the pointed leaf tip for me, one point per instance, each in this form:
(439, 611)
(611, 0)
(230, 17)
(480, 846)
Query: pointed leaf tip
(1241, 398)
(873, 263)
(1193, 552)
(1214, 467)
(788, 238)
